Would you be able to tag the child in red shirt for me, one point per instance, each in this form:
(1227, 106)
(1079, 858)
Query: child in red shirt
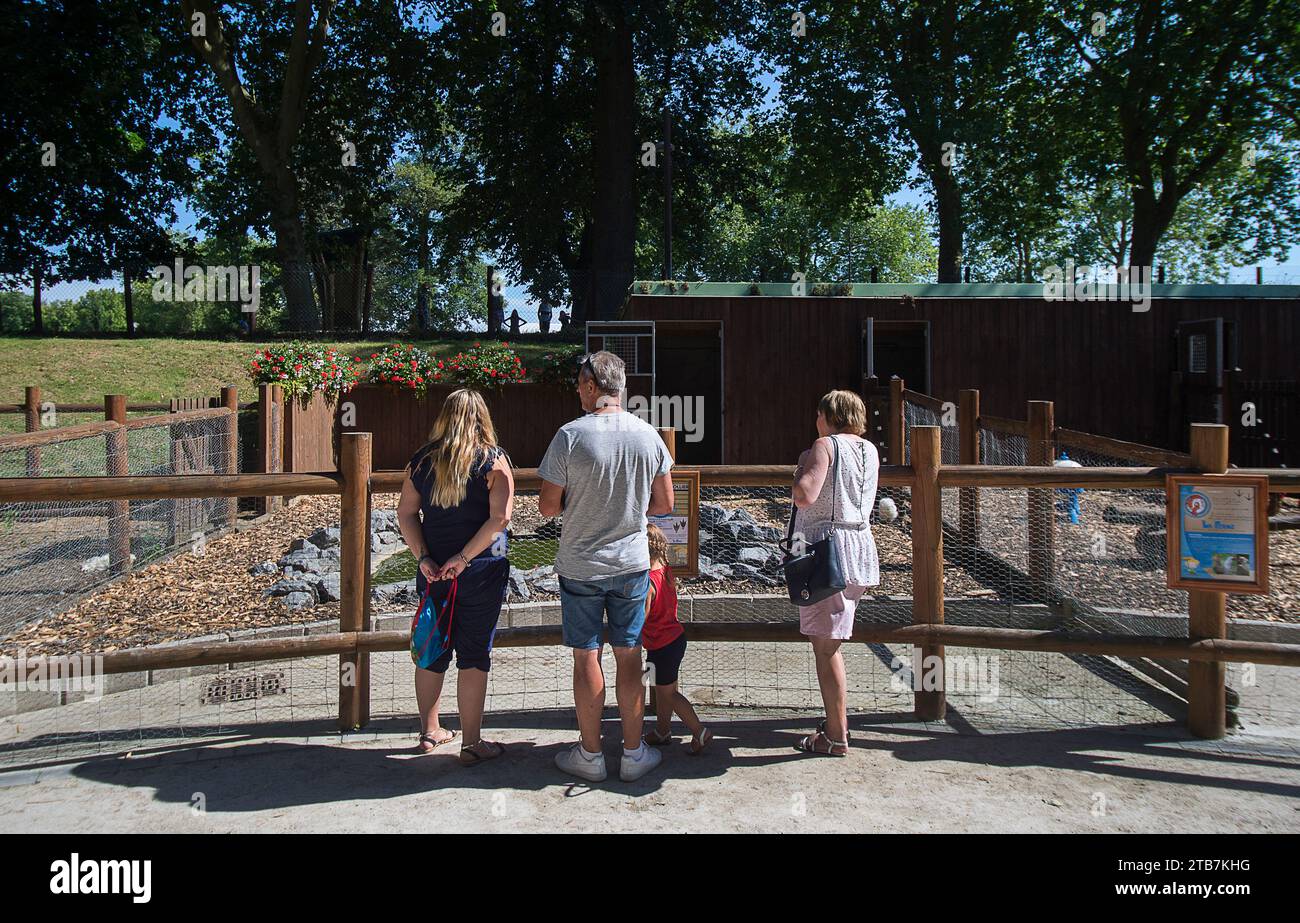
(665, 644)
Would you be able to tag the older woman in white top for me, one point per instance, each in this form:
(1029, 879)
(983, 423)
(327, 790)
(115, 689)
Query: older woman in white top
(841, 505)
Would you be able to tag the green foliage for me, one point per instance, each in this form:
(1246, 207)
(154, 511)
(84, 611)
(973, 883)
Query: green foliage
(99, 83)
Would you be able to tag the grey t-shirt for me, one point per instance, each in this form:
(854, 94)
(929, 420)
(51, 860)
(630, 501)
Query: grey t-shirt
(605, 462)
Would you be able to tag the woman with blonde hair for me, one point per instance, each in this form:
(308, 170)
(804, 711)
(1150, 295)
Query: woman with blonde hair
(834, 492)
(456, 503)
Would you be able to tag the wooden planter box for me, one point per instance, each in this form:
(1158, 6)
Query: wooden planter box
(526, 417)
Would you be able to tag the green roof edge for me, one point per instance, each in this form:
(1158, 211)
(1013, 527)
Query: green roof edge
(947, 290)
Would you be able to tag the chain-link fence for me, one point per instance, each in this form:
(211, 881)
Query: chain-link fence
(55, 552)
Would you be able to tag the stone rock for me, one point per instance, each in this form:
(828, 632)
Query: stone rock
(310, 566)
(764, 534)
(397, 594)
(711, 514)
(519, 584)
(547, 585)
(729, 531)
(285, 587)
(407, 595)
(327, 537)
(305, 553)
(719, 550)
(331, 555)
(711, 571)
(541, 570)
(749, 572)
(753, 555)
(742, 517)
(329, 589)
(383, 520)
(266, 567)
(300, 600)
(548, 529)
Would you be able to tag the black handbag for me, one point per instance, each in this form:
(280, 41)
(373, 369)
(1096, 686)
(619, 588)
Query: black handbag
(816, 574)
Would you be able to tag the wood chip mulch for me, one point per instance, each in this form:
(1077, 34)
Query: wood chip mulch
(188, 596)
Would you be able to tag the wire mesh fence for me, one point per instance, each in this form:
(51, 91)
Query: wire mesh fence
(55, 552)
(918, 414)
(999, 447)
(1081, 561)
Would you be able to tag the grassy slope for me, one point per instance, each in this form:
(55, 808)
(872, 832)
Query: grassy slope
(147, 370)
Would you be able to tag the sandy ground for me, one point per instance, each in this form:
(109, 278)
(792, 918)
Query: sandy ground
(1062, 745)
(901, 776)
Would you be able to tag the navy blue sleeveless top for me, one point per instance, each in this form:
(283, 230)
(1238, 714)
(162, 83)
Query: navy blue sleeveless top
(448, 529)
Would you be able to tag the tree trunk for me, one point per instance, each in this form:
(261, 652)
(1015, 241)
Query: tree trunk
(38, 322)
(302, 313)
(128, 303)
(613, 209)
(1151, 218)
(948, 209)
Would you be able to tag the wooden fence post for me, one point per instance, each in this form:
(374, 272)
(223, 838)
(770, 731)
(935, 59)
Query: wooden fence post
(1041, 504)
(669, 436)
(897, 421)
(116, 465)
(927, 569)
(32, 423)
(268, 420)
(968, 429)
(1207, 611)
(230, 447)
(354, 581)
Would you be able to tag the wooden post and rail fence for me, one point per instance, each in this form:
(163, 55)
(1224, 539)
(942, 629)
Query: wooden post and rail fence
(355, 483)
(216, 453)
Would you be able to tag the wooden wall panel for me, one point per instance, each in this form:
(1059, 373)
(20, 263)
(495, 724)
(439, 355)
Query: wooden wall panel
(1106, 367)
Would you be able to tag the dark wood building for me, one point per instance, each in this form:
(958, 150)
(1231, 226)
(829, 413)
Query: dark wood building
(761, 357)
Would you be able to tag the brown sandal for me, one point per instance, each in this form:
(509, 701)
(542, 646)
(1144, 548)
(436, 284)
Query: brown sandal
(434, 742)
(472, 755)
(822, 745)
(697, 744)
(655, 739)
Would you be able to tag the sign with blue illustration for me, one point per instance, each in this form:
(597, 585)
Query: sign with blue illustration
(1218, 533)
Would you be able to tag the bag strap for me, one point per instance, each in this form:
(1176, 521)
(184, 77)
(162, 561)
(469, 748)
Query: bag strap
(449, 605)
(428, 588)
(835, 474)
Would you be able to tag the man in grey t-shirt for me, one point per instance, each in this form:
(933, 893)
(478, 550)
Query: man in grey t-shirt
(605, 471)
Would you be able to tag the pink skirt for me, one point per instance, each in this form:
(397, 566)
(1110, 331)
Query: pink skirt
(833, 616)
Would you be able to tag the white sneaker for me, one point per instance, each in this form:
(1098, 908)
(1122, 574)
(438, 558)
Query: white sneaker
(632, 768)
(576, 761)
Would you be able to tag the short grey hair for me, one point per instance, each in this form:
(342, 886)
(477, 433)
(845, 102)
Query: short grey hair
(606, 370)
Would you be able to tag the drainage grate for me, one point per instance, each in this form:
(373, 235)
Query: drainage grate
(242, 688)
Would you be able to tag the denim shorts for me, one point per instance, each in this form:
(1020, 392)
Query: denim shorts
(585, 603)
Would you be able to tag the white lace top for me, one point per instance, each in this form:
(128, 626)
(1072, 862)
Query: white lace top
(853, 497)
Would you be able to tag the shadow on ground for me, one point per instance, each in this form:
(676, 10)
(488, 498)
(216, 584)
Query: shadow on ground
(248, 772)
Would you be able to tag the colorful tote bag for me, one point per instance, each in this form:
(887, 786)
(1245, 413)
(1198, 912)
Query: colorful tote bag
(430, 638)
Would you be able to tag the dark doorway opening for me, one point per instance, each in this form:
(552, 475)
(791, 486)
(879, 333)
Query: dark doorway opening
(688, 379)
(898, 348)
